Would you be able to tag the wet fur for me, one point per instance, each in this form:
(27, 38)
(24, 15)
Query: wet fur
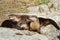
(40, 22)
(22, 19)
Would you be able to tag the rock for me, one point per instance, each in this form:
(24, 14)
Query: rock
(43, 8)
(56, 4)
(33, 9)
(49, 30)
(57, 19)
(14, 34)
(34, 37)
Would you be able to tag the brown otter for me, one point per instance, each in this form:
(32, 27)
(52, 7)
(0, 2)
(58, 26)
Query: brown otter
(22, 20)
(24, 25)
(38, 22)
(18, 18)
(33, 23)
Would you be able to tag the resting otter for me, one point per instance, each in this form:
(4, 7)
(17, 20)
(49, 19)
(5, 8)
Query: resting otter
(38, 22)
(33, 23)
(24, 25)
(22, 20)
(18, 18)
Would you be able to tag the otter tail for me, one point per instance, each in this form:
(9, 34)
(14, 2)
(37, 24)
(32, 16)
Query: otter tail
(54, 23)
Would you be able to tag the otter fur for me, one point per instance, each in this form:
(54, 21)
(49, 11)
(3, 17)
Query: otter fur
(8, 24)
(22, 20)
(38, 22)
(32, 22)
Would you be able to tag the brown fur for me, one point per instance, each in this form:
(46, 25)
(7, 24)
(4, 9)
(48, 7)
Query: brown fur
(14, 17)
(38, 22)
(22, 20)
(32, 23)
(24, 25)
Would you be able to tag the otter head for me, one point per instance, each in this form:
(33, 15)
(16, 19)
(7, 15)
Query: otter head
(24, 25)
(33, 18)
(14, 17)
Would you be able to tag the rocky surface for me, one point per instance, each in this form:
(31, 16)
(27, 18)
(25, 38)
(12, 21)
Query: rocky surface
(47, 33)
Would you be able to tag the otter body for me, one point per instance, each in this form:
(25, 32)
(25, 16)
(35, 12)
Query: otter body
(23, 21)
(39, 22)
(32, 23)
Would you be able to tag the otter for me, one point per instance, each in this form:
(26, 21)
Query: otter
(10, 24)
(18, 18)
(32, 23)
(22, 20)
(38, 22)
(24, 25)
